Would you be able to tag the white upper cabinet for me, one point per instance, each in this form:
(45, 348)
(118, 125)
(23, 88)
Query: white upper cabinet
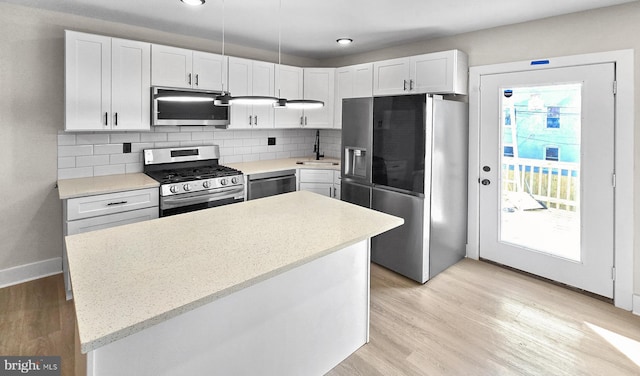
(179, 67)
(307, 83)
(256, 78)
(439, 73)
(351, 82)
(288, 84)
(319, 85)
(106, 83)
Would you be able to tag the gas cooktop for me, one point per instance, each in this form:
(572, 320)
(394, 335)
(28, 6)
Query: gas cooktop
(179, 175)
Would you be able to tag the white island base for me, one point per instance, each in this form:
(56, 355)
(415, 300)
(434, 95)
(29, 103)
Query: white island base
(301, 322)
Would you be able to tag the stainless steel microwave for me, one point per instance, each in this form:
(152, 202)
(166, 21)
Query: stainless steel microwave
(175, 106)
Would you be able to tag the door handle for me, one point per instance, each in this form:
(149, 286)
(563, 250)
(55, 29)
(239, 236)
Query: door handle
(485, 182)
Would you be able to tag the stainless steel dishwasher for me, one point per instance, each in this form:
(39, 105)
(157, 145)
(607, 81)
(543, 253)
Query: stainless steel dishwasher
(270, 183)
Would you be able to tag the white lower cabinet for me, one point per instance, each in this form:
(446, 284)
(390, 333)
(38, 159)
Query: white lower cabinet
(91, 213)
(320, 181)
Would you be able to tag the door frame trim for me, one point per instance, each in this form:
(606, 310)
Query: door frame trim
(623, 157)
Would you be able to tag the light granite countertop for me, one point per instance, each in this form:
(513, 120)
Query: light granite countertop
(131, 277)
(80, 187)
(257, 167)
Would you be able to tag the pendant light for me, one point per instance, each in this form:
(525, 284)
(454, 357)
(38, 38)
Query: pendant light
(224, 99)
(295, 103)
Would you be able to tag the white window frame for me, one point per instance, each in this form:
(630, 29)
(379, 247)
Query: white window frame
(624, 157)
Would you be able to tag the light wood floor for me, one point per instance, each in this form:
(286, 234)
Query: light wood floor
(473, 319)
(36, 320)
(480, 319)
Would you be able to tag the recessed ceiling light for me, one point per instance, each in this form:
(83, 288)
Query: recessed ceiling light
(193, 2)
(344, 41)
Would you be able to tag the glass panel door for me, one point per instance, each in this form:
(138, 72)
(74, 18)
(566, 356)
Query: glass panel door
(546, 154)
(540, 168)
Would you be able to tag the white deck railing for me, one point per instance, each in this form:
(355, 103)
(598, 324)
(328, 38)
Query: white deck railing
(555, 184)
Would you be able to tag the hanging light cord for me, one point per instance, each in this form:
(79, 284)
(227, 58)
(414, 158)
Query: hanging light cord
(279, 41)
(222, 67)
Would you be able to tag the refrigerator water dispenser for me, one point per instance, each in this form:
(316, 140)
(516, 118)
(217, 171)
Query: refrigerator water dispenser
(355, 164)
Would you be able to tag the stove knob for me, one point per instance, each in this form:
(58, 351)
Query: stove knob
(206, 184)
(223, 181)
(235, 180)
(174, 189)
(187, 187)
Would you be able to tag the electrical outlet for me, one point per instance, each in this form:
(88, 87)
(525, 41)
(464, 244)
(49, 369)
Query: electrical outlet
(271, 141)
(126, 147)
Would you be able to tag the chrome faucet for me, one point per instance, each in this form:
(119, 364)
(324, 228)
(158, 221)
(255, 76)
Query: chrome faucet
(316, 146)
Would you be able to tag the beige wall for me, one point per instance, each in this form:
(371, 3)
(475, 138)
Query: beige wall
(607, 29)
(31, 113)
(31, 109)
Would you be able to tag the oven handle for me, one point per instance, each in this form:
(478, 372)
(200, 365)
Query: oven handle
(204, 197)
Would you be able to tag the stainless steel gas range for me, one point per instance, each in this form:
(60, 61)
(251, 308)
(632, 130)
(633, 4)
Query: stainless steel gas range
(191, 179)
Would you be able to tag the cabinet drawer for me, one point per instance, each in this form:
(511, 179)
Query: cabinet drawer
(112, 220)
(325, 189)
(111, 203)
(316, 176)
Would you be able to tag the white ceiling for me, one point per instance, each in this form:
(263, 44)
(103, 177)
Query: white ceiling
(310, 28)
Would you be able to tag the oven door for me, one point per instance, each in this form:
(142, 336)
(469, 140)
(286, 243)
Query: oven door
(187, 202)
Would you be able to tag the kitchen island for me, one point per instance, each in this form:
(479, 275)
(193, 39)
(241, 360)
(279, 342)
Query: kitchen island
(272, 286)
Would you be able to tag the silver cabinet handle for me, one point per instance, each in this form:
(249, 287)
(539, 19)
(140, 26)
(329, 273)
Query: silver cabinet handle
(115, 119)
(330, 192)
(189, 78)
(106, 119)
(334, 192)
(410, 84)
(301, 122)
(117, 203)
(404, 85)
(250, 121)
(305, 120)
(255, 120)
(196, 80)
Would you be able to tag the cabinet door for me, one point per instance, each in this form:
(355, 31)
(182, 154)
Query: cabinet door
(363, 80)
(171, 66)
(441, 72)
(87, 82)
(288, 84)
(240, 84)
(312, 175)
(130, 81)
(325, 189)
(262, 84)
(344, 89)
(209, 71)
(319, 85)
(391, 76)
(351, 82)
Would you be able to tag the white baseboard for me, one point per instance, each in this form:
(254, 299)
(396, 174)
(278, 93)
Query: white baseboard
(636, 304)
(29, 272)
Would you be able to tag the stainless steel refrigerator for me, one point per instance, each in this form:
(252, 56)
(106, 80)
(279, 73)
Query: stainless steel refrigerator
(407, 156)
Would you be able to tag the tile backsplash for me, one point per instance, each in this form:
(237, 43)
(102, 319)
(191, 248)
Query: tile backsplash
(94, 154)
